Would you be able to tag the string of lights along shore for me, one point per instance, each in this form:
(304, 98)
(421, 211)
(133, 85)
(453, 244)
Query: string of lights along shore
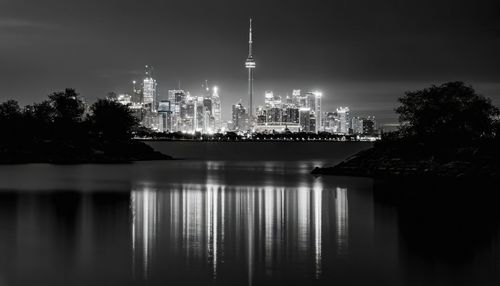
(181, 111)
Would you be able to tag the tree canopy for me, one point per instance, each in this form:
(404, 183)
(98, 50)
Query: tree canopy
(110, 120)
(62, 118)
(450, 112)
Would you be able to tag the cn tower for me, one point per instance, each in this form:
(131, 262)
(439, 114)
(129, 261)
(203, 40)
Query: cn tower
(250, 65)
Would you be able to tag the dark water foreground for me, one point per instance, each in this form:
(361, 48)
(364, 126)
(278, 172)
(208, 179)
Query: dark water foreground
(238, 223)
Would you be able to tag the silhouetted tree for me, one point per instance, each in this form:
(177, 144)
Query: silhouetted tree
(111, 121)
(10, 121)
(39, 120)
(9, 110)
(68, 106)
(452, 112)
(68, 115)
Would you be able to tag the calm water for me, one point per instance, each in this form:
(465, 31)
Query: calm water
(214, 221)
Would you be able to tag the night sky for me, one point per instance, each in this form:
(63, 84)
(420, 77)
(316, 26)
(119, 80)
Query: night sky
(363, 54)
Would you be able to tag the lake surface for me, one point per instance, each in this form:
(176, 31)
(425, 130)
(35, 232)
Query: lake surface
(236, 214)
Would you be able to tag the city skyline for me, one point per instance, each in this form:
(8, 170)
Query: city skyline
(182, 111)
(353, 55)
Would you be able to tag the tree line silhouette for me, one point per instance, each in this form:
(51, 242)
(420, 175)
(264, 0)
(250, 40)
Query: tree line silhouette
(62, 129)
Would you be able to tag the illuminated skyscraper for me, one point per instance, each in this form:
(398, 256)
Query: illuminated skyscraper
(216, 109)
(165, 116)
(149, 89)
(250, 65)
(313, 101)
(343, 113)
(240, 117)
(357, 125)
(305, 119)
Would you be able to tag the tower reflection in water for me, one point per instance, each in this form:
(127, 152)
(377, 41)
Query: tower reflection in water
(254, 230)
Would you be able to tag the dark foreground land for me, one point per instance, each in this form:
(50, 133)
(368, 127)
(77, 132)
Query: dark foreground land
(62, 130)
(447, 132)
(64, 153)
(405, 160)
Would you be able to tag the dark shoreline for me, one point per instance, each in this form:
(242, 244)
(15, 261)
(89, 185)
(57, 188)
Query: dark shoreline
(253, 141)
(386, 163)
(71, 154)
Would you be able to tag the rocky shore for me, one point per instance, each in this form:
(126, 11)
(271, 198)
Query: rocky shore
(407, 161)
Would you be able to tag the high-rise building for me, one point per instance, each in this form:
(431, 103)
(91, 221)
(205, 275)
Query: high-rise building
(136, 93)
(317, 110)
(149, 91)
(250, 65)
(357, 125)
(369, 125)
(331, 122)
(313, 101)
(201, 116)
(216, 109)
(343, 113)
(305, 119)
(240, 117)
(165, 116)
(177, 100)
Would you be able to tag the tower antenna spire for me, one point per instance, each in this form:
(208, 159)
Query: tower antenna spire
(250, 40)
(250, 65)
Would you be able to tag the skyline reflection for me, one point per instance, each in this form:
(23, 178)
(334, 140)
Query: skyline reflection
(212, 226)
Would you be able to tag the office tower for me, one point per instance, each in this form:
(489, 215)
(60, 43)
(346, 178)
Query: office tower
(305, 119)
(136, 93)
(369, 125)
(177, 99)
(357, 125)
(312, 123)
(188, 114)
(149, 90)
(201, 118)
(343, 113)
(216, 109)
(261, 116)
(291, 115)
(313, 101)
(250, 65)
(317, 110)
(330, 122)
(240, 117)
(165, 116)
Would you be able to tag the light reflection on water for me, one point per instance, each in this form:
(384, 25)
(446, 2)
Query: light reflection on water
(267, 224)
(235, 223)
(342, 220)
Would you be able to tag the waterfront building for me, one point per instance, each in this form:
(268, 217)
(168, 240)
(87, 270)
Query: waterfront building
(281, 115)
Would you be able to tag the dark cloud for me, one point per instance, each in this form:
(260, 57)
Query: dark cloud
(361, 53)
